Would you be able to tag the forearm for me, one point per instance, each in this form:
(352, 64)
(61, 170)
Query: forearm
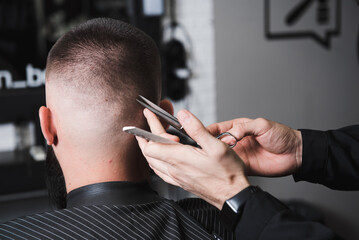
(265, 217)
(331, 158)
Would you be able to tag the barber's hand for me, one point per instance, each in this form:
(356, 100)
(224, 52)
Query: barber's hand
(214, 172)
(268, 148)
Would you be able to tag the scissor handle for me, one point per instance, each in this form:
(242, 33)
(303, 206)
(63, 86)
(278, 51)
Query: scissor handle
(231, 135)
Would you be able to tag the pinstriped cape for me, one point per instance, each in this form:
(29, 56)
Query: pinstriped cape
(164, 219)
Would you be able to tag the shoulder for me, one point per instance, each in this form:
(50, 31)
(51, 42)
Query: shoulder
(206, 215)
(155, 220)
(196, 205)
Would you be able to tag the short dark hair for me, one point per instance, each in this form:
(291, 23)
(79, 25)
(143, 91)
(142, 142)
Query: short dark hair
(115, 55)
(105, 59)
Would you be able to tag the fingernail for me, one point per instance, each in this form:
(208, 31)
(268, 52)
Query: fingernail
(145, 112)
(184, 116)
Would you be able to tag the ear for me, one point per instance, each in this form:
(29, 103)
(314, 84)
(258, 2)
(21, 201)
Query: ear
(47, 126)
(168, 107)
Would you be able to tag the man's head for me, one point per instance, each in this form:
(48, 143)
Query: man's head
(93, 75)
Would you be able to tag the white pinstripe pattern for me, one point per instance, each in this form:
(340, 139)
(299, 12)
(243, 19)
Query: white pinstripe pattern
(207, 216)
(139, 230)
(106, 220)
(23, 231)
(7, 237)
(120, 224)
(151, 233)
(36, 226)
(143, 214)
(190, 226)
(160, 224)
(13, 234)
(57, 226)
(77, 215)
(23, 226)
(161, 211)
(101, 210)
(99, 222)
(83, 228)
(196, 229)
(132, 220)
(63, 225)
(167, 214)
(156, 220)
(139, 236)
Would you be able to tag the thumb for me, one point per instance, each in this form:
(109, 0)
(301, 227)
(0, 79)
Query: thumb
(195, 129)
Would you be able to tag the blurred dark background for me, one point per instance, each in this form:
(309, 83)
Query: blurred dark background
(28, 29)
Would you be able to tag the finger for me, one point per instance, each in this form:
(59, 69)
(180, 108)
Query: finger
(157, 127)
(231, 127)
(230, 140)
(217, 128)
(171, 153)
(159, 167)
(141, 142)
(154, 123)
(242, 120)
(195, 129)
(170, 136)
(165, 177)
(247, 127)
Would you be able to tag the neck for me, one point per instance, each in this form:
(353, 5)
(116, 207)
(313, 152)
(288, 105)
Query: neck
(80, 169)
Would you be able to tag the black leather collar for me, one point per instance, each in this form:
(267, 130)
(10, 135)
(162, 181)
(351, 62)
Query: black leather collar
(112, 193)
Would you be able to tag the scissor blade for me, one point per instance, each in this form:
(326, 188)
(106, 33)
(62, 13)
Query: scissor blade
(172, 120)
(160, 112)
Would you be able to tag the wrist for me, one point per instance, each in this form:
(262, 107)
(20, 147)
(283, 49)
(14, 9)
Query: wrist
(299, 149)
(232, 209)
(232, 190)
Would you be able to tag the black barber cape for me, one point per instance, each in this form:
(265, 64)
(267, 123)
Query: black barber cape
(120, 210)
(330, 158)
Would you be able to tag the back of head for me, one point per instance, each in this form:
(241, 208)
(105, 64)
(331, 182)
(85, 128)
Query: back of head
(94, 74)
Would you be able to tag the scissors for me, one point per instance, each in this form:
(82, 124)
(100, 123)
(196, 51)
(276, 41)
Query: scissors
(173, 121)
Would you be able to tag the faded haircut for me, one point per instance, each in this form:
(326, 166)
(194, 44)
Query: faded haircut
(108, 57)
(105, 59)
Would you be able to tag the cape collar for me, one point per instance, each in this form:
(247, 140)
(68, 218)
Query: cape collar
(112, 193)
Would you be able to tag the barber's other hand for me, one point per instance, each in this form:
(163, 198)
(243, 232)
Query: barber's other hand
(267, 149)
(214, 172)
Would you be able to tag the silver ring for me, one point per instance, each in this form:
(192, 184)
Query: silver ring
(231, 135)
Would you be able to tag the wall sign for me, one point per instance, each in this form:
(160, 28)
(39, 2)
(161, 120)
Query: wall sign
(319, 20)
(34, 78)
